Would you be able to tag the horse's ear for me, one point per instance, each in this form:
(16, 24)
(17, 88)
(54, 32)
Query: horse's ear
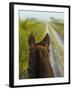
(46, 40)
(31, 40)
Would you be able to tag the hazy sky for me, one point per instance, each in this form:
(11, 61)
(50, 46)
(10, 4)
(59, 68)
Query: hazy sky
(40, 15)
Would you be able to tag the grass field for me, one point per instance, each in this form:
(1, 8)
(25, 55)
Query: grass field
(58, 26)
(27, 27)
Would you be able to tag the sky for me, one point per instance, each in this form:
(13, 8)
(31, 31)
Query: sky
(40, 15)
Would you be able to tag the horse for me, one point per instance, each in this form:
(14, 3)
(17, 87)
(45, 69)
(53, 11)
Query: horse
(39, 58)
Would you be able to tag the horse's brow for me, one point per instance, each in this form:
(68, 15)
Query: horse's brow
(39, 46)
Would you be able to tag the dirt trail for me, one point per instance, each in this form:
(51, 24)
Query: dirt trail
(57, 67)
(58, 35)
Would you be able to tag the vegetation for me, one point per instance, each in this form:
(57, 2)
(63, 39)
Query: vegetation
(58, 25)
(26, 27)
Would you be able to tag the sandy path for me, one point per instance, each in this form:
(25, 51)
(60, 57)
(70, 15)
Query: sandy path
(58, 72)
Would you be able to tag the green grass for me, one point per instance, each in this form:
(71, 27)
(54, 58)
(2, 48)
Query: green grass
(59, 27)
(25, 29)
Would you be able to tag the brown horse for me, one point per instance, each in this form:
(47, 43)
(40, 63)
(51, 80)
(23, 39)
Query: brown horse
(39, 62)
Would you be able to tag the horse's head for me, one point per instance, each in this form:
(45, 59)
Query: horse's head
(39, 64)
(45, 42)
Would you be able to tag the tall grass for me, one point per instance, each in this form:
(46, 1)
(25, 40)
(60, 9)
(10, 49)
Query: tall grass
(59, 27)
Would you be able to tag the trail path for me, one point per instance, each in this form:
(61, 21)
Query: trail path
(57, 34)
(56, 65)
